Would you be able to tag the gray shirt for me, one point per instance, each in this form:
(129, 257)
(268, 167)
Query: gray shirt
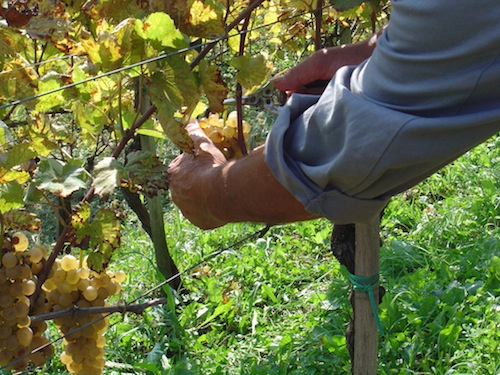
(429, 92)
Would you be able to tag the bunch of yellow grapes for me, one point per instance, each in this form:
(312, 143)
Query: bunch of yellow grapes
(73, 284)
(224, 133)
(18, 275)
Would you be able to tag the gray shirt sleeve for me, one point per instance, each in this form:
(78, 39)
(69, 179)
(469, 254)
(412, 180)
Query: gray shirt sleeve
(416, 105)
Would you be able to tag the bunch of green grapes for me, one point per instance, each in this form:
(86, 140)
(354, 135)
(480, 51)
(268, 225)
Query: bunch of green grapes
(224, 133)
(71, 284)
(18, 275)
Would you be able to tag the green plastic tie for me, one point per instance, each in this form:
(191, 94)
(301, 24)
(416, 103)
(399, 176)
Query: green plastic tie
(366, 284)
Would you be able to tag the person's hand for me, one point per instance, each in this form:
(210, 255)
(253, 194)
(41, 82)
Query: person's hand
(187, 174)
(321, 67)
(211, 191)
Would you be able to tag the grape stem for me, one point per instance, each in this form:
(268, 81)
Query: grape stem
(75, 311)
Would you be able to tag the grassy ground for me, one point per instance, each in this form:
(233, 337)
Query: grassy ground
(278, 304)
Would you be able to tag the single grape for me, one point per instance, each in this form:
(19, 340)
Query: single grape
(9, 260)
(36, 254)
(28, 287)
(69, 262)
(24, 336)
(120, 276)
(90, 293)
(19, 241)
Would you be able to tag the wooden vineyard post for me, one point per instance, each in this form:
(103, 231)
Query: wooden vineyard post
(365, 324)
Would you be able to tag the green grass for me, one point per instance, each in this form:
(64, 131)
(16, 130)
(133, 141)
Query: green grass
(278, 304)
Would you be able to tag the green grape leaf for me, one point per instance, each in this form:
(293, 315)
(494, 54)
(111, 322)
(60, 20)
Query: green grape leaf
(164, 92)
(106, 176)
(60, 178)
(159, 29)
(48, 83)
(253, 71)
(11, 196)
(98, 233)
(21, 220)
(144, 172)
(18, 154)
(5, 136)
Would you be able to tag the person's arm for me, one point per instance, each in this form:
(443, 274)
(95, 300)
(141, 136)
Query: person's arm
(323, 64)
(211, 191)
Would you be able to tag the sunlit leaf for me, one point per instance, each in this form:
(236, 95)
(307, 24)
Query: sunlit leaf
(11, 196)
(159, 29)
(205, 20)
(46, 84)
(253, 71)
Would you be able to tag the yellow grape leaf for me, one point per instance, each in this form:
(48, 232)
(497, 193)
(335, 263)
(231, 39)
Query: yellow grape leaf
(175, 131)
(18, 83)
(213, 86)
(205, 21)
(105, 51)
(253, 71)
(159, 29)
(197, 18)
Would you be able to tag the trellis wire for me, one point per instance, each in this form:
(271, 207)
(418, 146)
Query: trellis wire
(257, 234)
(150, 60)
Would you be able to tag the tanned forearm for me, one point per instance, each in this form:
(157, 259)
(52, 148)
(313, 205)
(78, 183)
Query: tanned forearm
(246, 190)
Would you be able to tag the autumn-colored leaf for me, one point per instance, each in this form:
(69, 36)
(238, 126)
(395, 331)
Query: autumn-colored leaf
(213, 86)
(98, 233)
(21, 220)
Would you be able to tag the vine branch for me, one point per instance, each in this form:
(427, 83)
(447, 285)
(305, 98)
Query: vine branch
(75, 311)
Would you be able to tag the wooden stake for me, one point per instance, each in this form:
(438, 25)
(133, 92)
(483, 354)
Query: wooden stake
(365, 326)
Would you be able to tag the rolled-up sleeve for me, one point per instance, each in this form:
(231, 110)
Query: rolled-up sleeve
(383, 126)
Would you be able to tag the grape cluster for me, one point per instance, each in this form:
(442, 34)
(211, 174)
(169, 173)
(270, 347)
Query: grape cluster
(71, 284)
(18, 275)
(224, 133)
